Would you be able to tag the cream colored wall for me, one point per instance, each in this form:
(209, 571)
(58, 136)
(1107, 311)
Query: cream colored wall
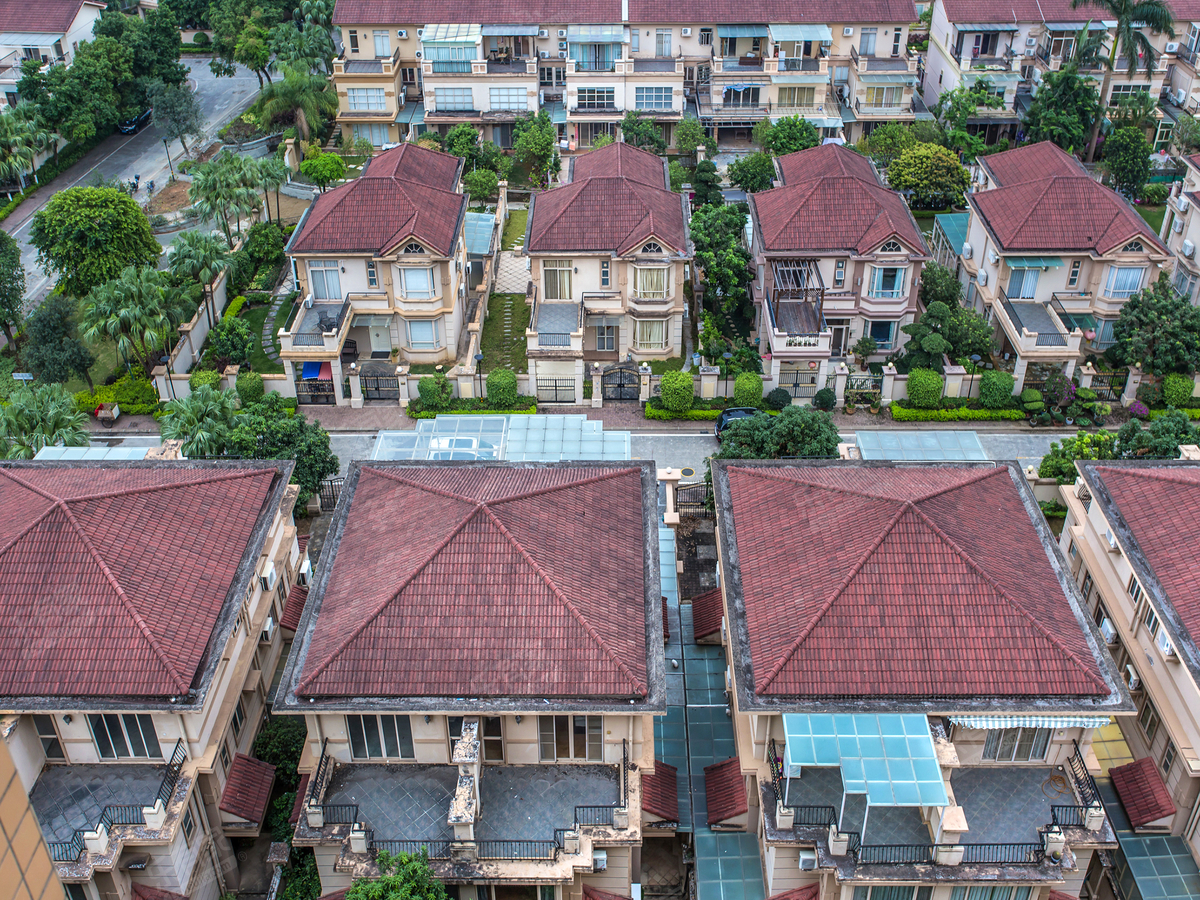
(782, 865)
(366, 40)
(26, 872)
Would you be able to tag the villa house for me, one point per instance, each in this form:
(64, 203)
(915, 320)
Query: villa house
(49, 31)
(129, 712)
(913, 698)
(824, 281)
(486, 688)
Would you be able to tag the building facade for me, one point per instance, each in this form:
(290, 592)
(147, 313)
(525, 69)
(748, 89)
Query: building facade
(49, 30)
(1181, 233)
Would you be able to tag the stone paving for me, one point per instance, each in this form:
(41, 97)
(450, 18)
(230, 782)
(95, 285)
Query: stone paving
(512, 273)
(68, 798)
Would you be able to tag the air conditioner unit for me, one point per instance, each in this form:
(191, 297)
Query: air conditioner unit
(847, 31)
(562, 32)
(1189, 249)
(402, 33)
(1172, 47)
(967, 250)
(1177, 226)
(993, 257)
(562, 45)
(1111, 538)
(544, 54)
(1180, 96)
(268, 630)
(269, 576)
(1029, 51)
(1164, 644)
(562, 54)
(1131, 679)
(1183, 203)
(686, 32)
(981, 278)
(599, 860)
(304, 573)
(308, 300)
(808, 859)
(420, 33)
(1030, 42)
(542, 32)
(1108, 631)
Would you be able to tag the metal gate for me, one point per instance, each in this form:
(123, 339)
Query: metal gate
(799, 384)
(621, 382)
(1109, 386)
(556, 390)
(315, 391)
(329, 490)
(375, 387)
(695, 500)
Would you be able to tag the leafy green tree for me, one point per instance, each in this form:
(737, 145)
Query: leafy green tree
(281, 743)
(188, 13)
(1158, 330)
(678, 391)
(85, 99)
(1059, 463)
(87, 236)
(154, 43)
(933, 174)
(228, 19)
(642, 132)
(752, 173)
(308, 99)
(231, 342)
(136, 311)
(303, 47)
(12, 285)
(52, 349)
(402, 877)
(886, 142)
(955, 108)
(324, 169)
(603, 141)
(463, 140)
(689, 134)
(16, 148)
(200, 257)
(928, 131)
(481, 184)
(1064, 109)
(955, 331)
(536, 145)
(716, 232)
(41, 416)
(177, 113)
(792, 134)
(1160, 439)
(706, 185)
(253, 50)
(273, 173)
(1135, 111)
(202, 421)
(267, 431)
(797, 431)
(1127, 158)
(940, 285)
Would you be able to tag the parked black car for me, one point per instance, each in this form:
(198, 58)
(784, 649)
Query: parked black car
(136, 123)
(732, 415)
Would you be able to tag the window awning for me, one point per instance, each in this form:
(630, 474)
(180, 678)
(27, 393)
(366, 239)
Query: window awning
(817, 121)
(985, 27)
(412, 113)
(507, 30)
(320, 371)
(800, 32)
(1033, 262)
(598, 321)
(1075, 26)
(451, 34)
(557, 110)
(740, 31)
(988, 723)
(598, 34)
(37, 39)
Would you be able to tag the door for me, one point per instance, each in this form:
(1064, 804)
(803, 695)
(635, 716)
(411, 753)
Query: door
(841, 332)
(381, 341)
(621, 382)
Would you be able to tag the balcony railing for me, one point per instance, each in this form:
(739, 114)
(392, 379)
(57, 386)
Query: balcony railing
(1186, 55)
(1002, 854)
(451, 66)
(872, 109)
(433, 849)
(171, 777)
(1041, 338)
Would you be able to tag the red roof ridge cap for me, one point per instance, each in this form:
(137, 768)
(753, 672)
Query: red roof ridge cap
(428, 488)
(1158, 474)
(1050, 182)
(562, 598)
(550, 488)
(982, 475)
(773, 475)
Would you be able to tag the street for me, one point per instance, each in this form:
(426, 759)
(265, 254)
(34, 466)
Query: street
(125, 155)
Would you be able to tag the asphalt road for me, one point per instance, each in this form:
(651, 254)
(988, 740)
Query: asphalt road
(125, 155)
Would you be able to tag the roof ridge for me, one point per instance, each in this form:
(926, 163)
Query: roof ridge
(1012, 602)
(825, 607)
(982, 475)
(1157, 474)
(770, 473)
(578, 185)
(1033, 206)
(550, 488)
(576, 614)
(150, 488)
(429, 488)
(367, 620)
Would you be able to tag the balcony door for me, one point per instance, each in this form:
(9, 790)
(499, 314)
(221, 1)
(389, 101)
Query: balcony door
(1022, 284)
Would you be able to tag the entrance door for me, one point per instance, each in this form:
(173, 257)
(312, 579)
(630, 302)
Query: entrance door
(381, 341)
(841, 333)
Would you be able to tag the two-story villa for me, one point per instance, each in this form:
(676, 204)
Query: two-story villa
(49, 31)
(381, 264)
(607, 252)
(825, 280)
(140, 608)
(913, 697)
(1050, 257)
(485, 688)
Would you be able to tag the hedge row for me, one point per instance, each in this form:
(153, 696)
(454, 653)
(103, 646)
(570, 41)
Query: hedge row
(901, 414)
(1191, 413)
(134, 396)
(691, 415)
(472, 412)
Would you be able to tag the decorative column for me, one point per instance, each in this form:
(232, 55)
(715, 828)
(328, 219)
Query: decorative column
(839, 384)
(889, 385)
(356, 394)
(1019, 375)
(597, 387)
(1131, 385)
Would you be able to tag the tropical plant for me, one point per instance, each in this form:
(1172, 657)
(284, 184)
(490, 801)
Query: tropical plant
(886, 142)
(402, 877)
(716, 232)
(1135, 111)
(481, 184)
(270, 430)
(273, 173)
(136, 311)
(535, 143)
(944, 330)
(1177, 389)
(230, 342)
(200, 257)
(706, 185)
(323, 169)
(52, 349)
(41, 416)
(201, 420)
(1158, 330)
(957, 107)
(1064, 109)
(689, 135)
(308, 99)
(1127, 159)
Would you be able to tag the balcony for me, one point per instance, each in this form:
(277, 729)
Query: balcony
(883, 64)
(731, 64)
(556, 326)
(318, 329)
(803, 64)
(731, 113)
(512, 66)
(891, 112)
(650, 66)
(797, 325)
(450, 66)
(1035, 329)
(379, 66)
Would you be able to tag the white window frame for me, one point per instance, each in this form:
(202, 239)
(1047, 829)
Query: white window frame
(652, 98)
(589, 748)
(798, 97)
(1168, 758)
(429, 292)
(145, 735)
(319, 284)
(562, 271)
(641, 274)
(605, 273)
(47, 732)
(422, 342)
(706, 37)
(188, 824)
(884, 96)
(1005, 744)
(606, 338)
(1149, 721)
(383, 44)
(375, 132)
(452, 99)
(509, 98)
(644, 341)
(366, 99)
(839, 273)
(876, 288)
(662, 43)
(1073, 277)
(372, 274)
(381, 722)
(237, 720)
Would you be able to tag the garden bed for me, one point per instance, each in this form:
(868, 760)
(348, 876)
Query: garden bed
(172, 198)
(476, 406)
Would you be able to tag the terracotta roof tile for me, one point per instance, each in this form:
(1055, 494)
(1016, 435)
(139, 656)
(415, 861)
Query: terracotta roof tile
(725, 791)
(708, 609)
(622, 160)
(660, 792)
(559, 547)
(248, 788)
(1140, 786)
(145, 892)
(808, 892)
(298, 806)
(825, 161)
(136, 560)
(295, 607)
(591, 893)
(1032, 162)
(406, 192)
(944, 558)
(605, 213)
(1038, 11)
(42, 17)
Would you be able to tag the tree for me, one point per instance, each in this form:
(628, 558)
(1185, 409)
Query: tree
(1161, 439)
(308, 99)
(955, 331)
(177, 113)
(136, 311)
(280, 743)
(933, 174)
(463, 140)
(52, 349)
(402, 877)
(886, 142)
(154, 43)
(16, 148)
(1135, 20)
(797, 431)
(324, 169)
(1064, 109)
(642, 132)
(481, 184)
(12, 285)
(955, 108)
(224, 185)
(1186, 134)
(792, 134)
(689, 135)
(267, 431)
(752, 173)
(1158, 330)
(88, 235)
(535, 140)
(86, 99)
(230, 18)
(603, 141)
(253, 50)
(200, 257)
(1127, 158)
(1135, 111)
(230, 342)
(940, 285)
(706, 185)
(41, 416)
(716, 232)
(202, 421)
(274, 173)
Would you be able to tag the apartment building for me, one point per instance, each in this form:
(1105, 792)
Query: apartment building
(381, 263)
(130, 710)
(1050, 258)
(1013, 45)
(49, 30)
(825, 281)
(913, 698)
(484, 689)
(410, 66)
(1181, 233)
(1122, 536)
(608, 253)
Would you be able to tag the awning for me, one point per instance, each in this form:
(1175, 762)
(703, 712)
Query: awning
(310, 371)
(451, 34)
(1075, 26)
(592, 321)
(557, 111)
(507, 30)
(986, 27)
(800, 33)
(848, 114)
(801, 78)
(596, 34)
(989, 723)
(888, 78)
(1033, 262)
(817, 121)
(412, 113)
(29, 38)
(479, 229)
(740, 31)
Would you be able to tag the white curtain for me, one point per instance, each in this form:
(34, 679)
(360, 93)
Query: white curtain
(652, 283)
(651, 334)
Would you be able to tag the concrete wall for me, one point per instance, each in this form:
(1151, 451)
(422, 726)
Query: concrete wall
(28, 872)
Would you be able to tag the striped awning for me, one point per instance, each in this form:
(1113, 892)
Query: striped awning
(600, 34)
(1034, 262)
(988, 723)
(451, 34)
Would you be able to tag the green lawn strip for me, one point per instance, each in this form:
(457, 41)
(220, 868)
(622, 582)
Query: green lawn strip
(659, 366)
(283, 320)
(428, 368)
(255, 316)
(514, 228)
(497, 351)
(1153, 215)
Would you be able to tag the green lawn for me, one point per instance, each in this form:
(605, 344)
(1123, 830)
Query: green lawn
(514, 228)
(1153, 215)
(428, 368)
(106, 363)
(255, 316)
(499, 350)
(660, 366)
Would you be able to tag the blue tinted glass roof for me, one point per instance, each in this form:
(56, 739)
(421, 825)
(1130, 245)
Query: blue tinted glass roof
(919, 445)
(538, 438)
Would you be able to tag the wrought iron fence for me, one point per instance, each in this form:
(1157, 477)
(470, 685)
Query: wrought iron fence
(895, 854)
(329, 490)
(1003, 854)
(695, 500)
(594, 815)
(799, 384)
(340, 813)
(315, 391)
(66, 851)
(517, 849)
(556, 390)
(1071, 816)
(1109, 386)
(171, 776)
(380, 387)
(822, 816)
(69, 851)
(1085, 785)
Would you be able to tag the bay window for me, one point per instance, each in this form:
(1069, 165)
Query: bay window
(380, 737)
(424, 334)
(651, 284)
(887, 281)
(558, 279)
(651, 334)
(323, 279)
(417, 284)
(570, 737)
(1123, 281)
(883, 334)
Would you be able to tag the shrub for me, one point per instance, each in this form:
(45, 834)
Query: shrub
(200, 39)
(1035, 406)
(1031, 395)
(1177, 390)
(748, 389)
(961, 414)
(1060, 390)
(264, 241)
(249, 387)
(678, 390)
(1058, 416)
(995, 389)
(1086, 395)
(1155, 194)
(230, 341)
(436, 391)
(779, 398)
(825, 399)
(501, 388)
(235, 307)
(204, 377)
(1150, 393)
(925, 388)
(1139, 410)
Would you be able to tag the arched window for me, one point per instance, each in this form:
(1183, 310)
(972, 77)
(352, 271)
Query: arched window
(1133, 247)
(891, 247)
(652, 247)
(413, 247)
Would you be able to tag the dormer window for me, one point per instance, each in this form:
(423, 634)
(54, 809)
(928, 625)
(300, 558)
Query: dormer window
(652, 247)
(891, 247)
(413, 247)
(1133, 247)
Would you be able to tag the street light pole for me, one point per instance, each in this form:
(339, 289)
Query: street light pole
(170, 168)
(479, 374)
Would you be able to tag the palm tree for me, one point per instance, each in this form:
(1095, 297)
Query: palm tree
(309, 98)
(43, 416)
(202, 421)
(247, 178)
(210, 193)
(133, 311)
(1136, 111)
(16, 148)
(41, 138)
(1133, 18)
(274, 173)
(200, 257)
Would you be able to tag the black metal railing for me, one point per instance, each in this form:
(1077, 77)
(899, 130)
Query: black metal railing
(171, 777)
(69, 851)
(594, 815)
(339, 813)
(552, 339)
(819, 816)
(1002, 854)
(695, 500)
(799, 384)
(433, 849)
(895, 854)
(66, 851)
(1085, 784)
(1068, 816)
(1043, 338)
(1109, 386)
(517, 849)
(320, 778)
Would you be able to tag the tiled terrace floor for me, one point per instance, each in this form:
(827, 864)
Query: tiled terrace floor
(1008, 804)
(67, 798)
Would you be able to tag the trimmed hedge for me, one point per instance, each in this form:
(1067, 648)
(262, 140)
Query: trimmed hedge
(924, 388)
(502, 387)
(201, 377)
(1159, 413)
(472, 412)
(748, 389)
(995, 389)
(678, 391)
(134, 396)
(691, 415)
(904, 414)
(1177, 389)
(234, 308)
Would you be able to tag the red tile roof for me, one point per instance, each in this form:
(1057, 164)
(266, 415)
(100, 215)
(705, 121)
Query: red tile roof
(660, 792)
(295, 607)
(298, 806)
(1140, 786)
(831, 177)
(1037, 11)
(135, 560)
(406, 192)
(145, 892)
(808, 892)
(605, 213)
(708, 609)
(42, 17)
(1194, 160)
(1055, 206)
(560, 547)
(941, 558)
(248, 788)
(623, 160)
(591, 893)
(725, 791)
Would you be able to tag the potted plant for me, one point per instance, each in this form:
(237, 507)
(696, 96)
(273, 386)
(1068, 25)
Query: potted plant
(848, 409)
(865, 347)
(875, 407)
